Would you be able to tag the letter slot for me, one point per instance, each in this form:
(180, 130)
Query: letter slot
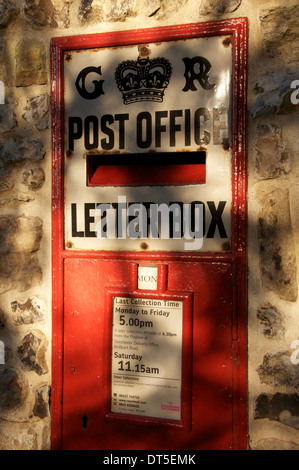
(146, 169)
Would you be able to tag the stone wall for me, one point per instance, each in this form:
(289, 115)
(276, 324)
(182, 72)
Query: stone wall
(273, 230)
(26, 28)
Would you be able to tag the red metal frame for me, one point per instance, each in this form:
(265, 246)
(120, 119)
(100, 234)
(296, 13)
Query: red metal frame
(237, 27)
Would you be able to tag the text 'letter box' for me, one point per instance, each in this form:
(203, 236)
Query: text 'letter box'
(149, 238)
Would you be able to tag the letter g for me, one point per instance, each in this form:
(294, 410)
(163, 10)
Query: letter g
(98, 84)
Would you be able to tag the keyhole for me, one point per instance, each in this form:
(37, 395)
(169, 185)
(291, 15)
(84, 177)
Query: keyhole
(84, 421)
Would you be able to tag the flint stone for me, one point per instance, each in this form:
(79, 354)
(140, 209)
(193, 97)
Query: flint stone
(20, 271)
(37, 112)
(20, 435)
(272, 321)
(288, 419)
(13, 389)
(47, 14)
(168, 7)
(13, 202)
(276, 246)
(39, 13)
(271, 443)
(218, 7)
(278, 407)
(278, 370)
(33, 177)
(151, 7)
(95, 11)
(31, 63)
(274, 94)
(41, 406)
(20, 234)
(6, 181)
(8, 11)
(280, 30)
(6, 72)
(273, 158)
(18, 149)
(29, 441)
(31, 311)
(7, 118)
(62, 12)
(31, 352)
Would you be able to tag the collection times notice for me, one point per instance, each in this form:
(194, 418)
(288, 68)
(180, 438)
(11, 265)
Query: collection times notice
(147, 357)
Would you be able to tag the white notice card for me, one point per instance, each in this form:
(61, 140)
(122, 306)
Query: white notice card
(147, 357)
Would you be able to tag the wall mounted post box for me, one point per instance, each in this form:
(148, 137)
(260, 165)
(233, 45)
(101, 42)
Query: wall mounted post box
(149, 238)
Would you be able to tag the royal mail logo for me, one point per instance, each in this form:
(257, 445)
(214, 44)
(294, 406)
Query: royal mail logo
(143, 79)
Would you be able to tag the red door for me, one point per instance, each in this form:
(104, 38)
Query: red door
(208, 381)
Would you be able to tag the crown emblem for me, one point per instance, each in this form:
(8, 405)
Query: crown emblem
(143, 79)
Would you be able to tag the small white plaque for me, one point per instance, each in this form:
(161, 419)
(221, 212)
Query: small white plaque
(147, 277)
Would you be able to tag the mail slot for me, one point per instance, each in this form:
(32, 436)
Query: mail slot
(146, 169)
(149, 238)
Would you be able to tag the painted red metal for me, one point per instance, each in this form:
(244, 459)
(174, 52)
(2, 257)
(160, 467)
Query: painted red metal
(172, 169)
(219, 373)
(87, 355)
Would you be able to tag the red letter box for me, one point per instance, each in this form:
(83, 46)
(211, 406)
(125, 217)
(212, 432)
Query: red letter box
(149, 238)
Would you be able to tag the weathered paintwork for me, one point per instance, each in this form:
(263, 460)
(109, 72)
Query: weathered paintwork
(213, 284)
